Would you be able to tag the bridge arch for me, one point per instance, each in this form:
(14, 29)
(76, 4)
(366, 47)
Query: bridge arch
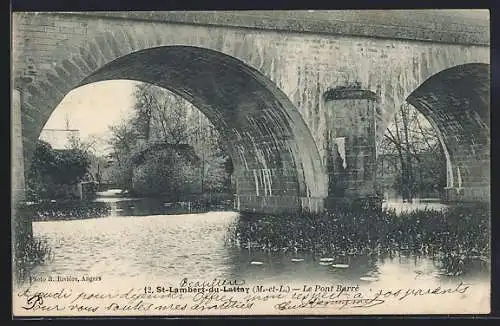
(456, 101)
(277, 164)
(409, 70)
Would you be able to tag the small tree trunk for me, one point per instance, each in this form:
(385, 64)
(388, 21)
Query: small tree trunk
(409, 173)
(409, 176)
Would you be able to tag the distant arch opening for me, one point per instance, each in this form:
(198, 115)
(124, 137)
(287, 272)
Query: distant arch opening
(456, 104)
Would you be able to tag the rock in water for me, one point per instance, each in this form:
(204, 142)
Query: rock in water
(256, 263)
(368, 278)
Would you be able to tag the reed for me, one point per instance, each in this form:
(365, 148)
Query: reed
(33, 252)
(457, 231)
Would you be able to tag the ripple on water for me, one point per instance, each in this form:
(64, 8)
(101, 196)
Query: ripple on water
(150, 241)
(164, 246)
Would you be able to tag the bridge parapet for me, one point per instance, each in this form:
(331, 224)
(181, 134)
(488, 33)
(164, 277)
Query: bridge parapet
(456, 27)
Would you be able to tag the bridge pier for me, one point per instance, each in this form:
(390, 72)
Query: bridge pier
(351, 160)
(268, 191)
(20, 223)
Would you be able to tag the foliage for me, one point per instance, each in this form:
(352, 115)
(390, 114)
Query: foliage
(72, 165)
(161, 117)
(215, 163)
(34, 251)
(98, 167)
(122, 141)
(412, 154)
(51, 168)
(165, 172)
(66, 210)
(160, 114)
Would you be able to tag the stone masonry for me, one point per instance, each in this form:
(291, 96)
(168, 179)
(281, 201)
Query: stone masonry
(269, 81)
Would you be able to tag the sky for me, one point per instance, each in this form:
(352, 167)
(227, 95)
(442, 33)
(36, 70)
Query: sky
(93, 108)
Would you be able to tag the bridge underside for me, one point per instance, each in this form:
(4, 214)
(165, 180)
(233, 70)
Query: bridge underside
(457, 102)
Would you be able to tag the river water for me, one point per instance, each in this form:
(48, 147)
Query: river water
(154, 246)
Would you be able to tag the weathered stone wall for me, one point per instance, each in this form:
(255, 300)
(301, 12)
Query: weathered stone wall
(17, 161)
(302, 65)
(21, 227)
(352, 161)
(64, 49)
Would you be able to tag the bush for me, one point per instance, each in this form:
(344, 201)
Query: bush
(166, 173)
(51, 169)
(65, 210)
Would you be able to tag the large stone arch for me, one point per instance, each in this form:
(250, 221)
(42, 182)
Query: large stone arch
(277, 163)
(456, 101)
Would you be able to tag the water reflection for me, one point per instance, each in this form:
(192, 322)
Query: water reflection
(142, 240)
(352, 269)
(278, 266)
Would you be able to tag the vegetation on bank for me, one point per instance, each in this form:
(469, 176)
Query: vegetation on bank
(53, 172)
(65, 210)
(34, 252)
(76, 209)
(456, 233)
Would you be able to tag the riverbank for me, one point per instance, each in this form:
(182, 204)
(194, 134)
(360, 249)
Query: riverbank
(118, 206)
(65, 210)
(35, 251)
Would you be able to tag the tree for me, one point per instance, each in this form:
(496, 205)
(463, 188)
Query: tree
(162, 126)
(72, 166)
(175, 121)
(210, 147)
(38, 179)
(52, 168)
(411, 147)
(122, 141)
(160, 115)
(165, 173)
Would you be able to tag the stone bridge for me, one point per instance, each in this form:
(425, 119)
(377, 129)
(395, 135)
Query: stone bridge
(301, 97)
